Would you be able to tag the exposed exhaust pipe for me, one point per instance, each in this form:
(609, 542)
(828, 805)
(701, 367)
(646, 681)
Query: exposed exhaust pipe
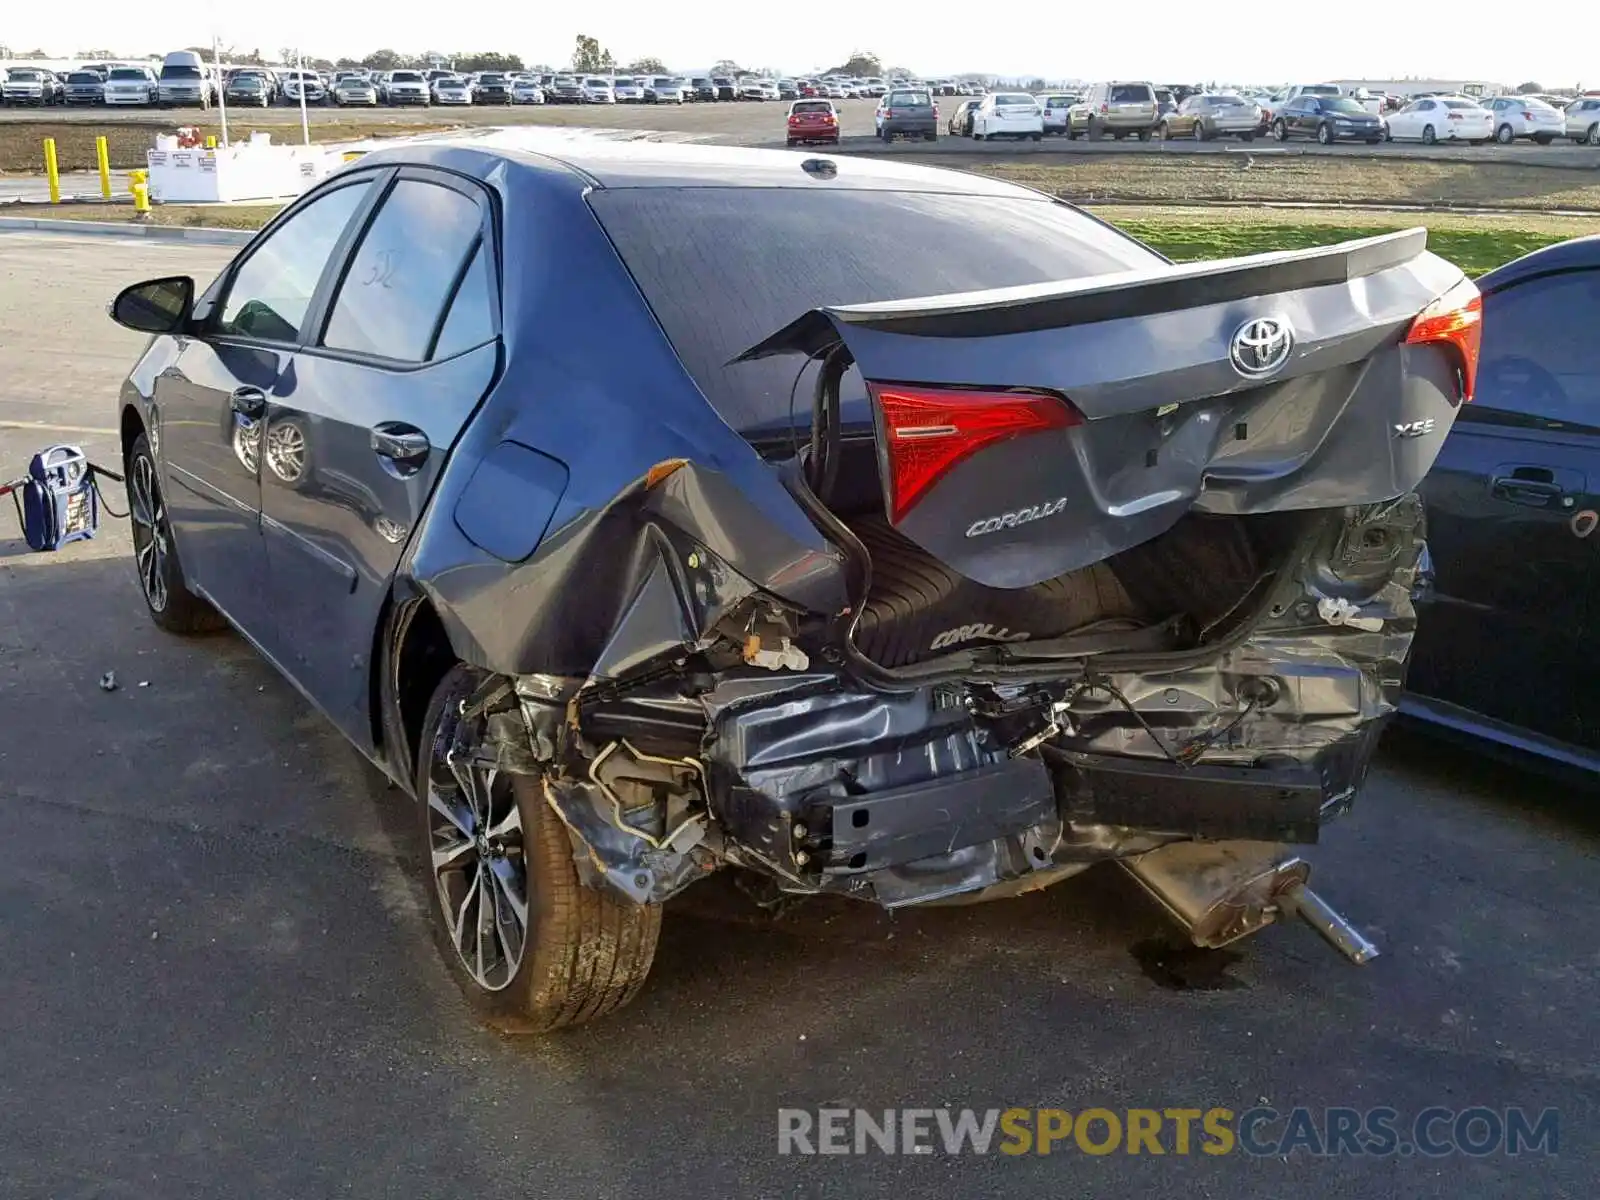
(1223, 891)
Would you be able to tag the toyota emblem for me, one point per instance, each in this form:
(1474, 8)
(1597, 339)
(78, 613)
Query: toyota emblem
(1261, 347)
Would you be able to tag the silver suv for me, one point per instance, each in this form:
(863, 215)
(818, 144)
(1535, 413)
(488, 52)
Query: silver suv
(1119, 108)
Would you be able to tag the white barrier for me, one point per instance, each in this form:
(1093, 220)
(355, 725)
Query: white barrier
(252, 170)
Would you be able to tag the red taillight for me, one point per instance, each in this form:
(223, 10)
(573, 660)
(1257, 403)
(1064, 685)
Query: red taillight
(1455, 319)
(1526, 115)
(888, 112)
(928, 431)
(1105, 108)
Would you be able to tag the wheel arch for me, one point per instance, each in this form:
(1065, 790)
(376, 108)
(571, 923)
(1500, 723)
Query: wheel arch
(131, 426)
(412, 652)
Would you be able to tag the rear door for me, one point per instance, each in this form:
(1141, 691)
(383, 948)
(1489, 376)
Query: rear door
(209, 404)
(1512, 627)
(361, 422)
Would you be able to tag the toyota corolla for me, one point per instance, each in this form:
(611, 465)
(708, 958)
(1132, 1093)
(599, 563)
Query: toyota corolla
(948, 555)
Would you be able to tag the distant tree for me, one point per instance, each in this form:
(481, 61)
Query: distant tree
(1528, 89)
(90, 55)
(646, 66)
(382, 60)
(726, 66)
(589, 55)
(488, 60)
(1036, 85)
(859, 63)
(899, 73)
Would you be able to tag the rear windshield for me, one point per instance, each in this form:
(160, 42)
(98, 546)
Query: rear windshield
(909, 100)
(1538, 104)
(771, 254)
(1224, 101)
(1010, 99)
(177, 72)
(1130, 93)
(1459, 104)
(811, 106)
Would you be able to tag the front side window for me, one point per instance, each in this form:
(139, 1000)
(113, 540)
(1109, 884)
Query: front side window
(404, 272)
(272, 290)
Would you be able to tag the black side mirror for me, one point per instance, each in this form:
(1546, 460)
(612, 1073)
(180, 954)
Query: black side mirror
(155, 306)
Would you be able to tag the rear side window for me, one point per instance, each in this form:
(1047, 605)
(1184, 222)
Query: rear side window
(470, 321)
(271, 291)
(405, 270)
(1539, 357)
(1131, 93)
(770, 254)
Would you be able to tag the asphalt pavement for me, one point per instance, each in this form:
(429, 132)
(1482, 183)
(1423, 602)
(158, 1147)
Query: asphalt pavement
(218, 981)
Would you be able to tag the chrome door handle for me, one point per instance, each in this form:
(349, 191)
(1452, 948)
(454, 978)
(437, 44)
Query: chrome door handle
(249, 402)
(401, 444)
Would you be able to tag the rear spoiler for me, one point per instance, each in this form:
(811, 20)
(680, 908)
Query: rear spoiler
(1035, 307)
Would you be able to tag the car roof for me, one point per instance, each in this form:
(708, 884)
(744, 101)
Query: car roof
(1573, 254)
(630, 164)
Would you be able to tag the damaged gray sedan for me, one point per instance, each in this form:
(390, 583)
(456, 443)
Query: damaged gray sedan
(647, 511)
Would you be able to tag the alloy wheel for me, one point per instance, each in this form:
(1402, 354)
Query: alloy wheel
(152, 538)
(477, 858)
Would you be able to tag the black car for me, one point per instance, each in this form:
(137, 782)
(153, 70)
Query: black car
(624, 590)
(724, 88)
(1329, 119)
(700, 88)
(565, 89)
(1508, 649)
(492, 88)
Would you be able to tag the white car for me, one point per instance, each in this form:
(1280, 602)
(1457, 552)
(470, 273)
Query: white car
(407, 87)
(874, 86)
(1524, 117)
(1583, 120)
(526, 91)
(130, 85)
(598, 91)
(451, 89)
(751, 88)
(1007, 114)
(1054, 107)
(833, 90)
(1441, 119)
(628, 90)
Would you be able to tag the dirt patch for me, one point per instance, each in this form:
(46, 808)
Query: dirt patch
(1318, 179)
(193, 216)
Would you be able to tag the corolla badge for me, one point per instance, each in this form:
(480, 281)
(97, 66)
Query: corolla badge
(1261, 346)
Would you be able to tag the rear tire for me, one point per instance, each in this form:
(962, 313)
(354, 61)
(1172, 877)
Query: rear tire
(1199, 132)
(582, 953)
(172, 606)
(1544, 139)
(1429, 137)
(1280, 131)
(1592, 137)
(1324, 134)
(1504, 135)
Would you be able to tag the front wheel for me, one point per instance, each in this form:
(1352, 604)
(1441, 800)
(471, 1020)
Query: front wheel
(1592, 137)
(531, 947)
(1280, 131)
(171, 604)
(1324, 135)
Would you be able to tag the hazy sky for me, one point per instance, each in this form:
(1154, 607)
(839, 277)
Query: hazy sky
(1394, 41)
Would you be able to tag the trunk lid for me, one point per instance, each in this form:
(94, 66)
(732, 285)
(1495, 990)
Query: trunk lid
(1026, 432)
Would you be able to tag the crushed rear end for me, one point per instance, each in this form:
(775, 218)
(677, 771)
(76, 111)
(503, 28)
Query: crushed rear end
(1115, 568)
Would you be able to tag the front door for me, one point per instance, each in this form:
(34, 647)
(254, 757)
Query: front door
(1513, 629)
(359, 426)
(210, 404)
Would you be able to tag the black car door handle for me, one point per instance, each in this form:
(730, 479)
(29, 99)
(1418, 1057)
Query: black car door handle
(1536, 493)
(248, 402)
(405, 445)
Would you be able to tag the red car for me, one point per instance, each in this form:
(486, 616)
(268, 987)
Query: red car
(813, 121)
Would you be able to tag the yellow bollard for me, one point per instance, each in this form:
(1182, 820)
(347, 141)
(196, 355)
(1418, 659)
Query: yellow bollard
(103, 157)
(51, 171)
(211, 141)
(138, 184)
